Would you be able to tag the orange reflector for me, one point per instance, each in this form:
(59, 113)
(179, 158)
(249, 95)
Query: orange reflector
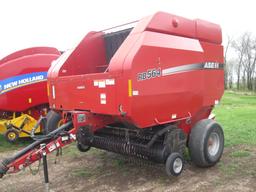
(129, 87)
(48, 89)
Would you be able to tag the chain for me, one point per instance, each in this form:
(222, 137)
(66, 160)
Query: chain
(34, 171)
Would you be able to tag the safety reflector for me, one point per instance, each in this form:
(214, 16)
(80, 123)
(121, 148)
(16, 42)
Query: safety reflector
(129, 87)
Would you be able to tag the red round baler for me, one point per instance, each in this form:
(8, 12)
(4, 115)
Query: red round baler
(23, 90)
(145, 91)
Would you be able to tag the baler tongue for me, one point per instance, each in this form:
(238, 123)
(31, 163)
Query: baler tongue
(3, 167)
(33, 152)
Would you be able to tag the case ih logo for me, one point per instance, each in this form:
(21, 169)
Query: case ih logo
(211, 65)
(21, 81)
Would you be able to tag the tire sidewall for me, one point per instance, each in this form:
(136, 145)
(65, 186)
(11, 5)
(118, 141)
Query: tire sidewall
(214, 128)
(198, 143)
(83, 148)
(11, 131)
(170, 163)
(52, 121)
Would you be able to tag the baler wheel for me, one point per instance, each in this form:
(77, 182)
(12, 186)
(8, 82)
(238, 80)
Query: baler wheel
(53, 121)
(11, 135)
(206, 143)
(82, 148)
(174, 164)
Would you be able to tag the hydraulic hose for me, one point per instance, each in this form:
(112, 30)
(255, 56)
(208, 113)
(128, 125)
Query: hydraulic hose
(43, 139)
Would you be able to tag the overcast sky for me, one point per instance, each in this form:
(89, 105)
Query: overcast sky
(63, 23)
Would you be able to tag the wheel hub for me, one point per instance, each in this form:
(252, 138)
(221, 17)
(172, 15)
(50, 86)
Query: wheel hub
(213, 144)
(11, 136)
(177, 165)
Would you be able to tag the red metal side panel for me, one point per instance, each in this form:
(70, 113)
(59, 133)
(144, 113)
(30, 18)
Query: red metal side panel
(95, 92)
(208, 32)
(171, 24)
(215, 78)
(177, 94)
(23, 80)
(155, 95)
(30, 51)
(162, 22)
(87, 57)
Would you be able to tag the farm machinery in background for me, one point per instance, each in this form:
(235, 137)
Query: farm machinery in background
(145, 91)
(23, 90)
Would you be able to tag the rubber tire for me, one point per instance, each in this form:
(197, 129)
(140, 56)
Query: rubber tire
(82, 148)
(11, 131)
(198, 141)
(169, 164)
(52, 121)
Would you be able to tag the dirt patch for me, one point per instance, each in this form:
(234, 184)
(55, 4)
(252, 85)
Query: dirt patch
(104, 171)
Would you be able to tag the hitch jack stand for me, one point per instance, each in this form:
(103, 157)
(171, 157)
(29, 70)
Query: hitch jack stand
(46, 175)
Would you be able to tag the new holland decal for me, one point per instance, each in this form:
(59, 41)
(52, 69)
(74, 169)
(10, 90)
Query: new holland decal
(12, 83)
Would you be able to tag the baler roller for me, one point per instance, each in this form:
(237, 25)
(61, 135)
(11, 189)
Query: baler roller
(156, 153)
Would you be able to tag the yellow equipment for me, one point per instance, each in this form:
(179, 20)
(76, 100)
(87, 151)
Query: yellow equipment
(16, 127)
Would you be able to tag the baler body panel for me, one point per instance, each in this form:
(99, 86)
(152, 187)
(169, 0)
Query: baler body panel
(182, 82)
(168, 68)
(23, 78)
(82, 92)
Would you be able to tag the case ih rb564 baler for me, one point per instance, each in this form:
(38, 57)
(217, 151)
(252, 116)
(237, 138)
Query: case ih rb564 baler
(146, 91)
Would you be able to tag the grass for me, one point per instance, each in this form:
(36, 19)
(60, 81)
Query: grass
(236, 114)
(71, 150)
(228, 169)
(6, 146)
(240, 153)
(85, 173)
